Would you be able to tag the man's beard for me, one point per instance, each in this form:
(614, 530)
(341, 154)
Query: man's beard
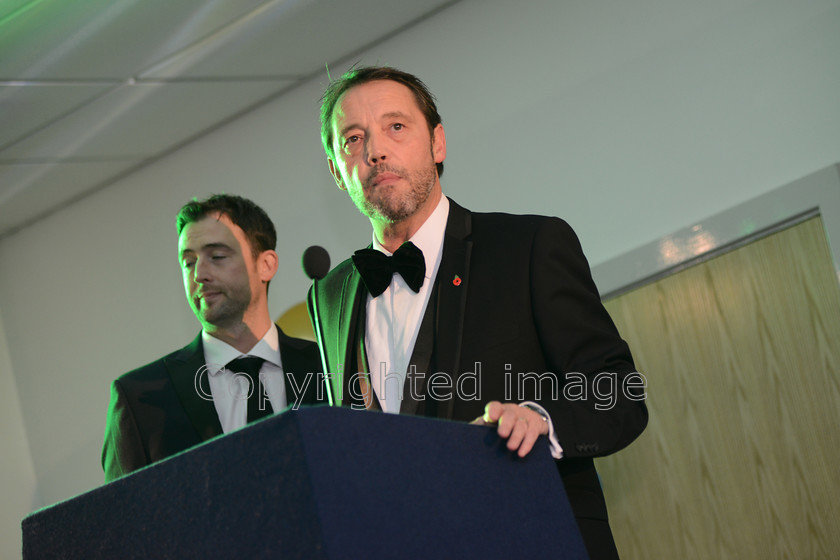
(386, 201)
(228, 311)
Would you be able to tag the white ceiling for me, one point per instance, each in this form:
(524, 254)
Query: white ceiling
(91, 90)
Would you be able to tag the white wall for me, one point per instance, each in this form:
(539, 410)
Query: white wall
(17, 475)
(629, 119)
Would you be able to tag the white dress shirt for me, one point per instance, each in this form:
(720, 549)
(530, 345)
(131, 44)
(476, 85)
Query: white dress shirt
(394, 318)
(230, 391)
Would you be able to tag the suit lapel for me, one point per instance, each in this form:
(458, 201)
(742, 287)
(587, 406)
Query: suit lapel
(296, 365)
(337, 314)
(453, 282)
(350, 313)
(186, 369)
(421, 359)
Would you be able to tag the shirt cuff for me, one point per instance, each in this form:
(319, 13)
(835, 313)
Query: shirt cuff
(553, 444)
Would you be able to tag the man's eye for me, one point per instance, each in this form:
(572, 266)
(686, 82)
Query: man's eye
(352, 139)
(397, 126)
(188, 264)
(219, 257)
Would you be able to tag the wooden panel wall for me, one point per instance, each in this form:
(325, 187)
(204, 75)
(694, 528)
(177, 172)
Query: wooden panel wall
(741, 458)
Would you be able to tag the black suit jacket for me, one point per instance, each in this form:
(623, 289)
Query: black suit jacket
(516, 296)
(156, 411)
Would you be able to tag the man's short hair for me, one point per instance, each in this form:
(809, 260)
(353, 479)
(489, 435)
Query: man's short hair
(358, 76)
(250, 218)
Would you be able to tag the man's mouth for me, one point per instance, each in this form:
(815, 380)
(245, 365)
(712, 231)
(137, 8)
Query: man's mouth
(383, 177)
(209, 296)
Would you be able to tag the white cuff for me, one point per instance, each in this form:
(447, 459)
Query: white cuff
(553, 444)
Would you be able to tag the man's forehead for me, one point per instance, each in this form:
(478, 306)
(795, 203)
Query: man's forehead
(388, 96)
(214, 228)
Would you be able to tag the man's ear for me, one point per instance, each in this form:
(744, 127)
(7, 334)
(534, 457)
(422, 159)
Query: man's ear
(336, 175)
(439, 144)
(267, 263)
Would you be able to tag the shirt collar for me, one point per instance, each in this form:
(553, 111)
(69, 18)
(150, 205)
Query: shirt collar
(429, 238)
(218, 353)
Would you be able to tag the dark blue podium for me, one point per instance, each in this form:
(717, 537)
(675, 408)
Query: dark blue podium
(324, 483)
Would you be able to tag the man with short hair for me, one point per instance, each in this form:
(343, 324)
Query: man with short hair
(504, 303)
(226, 250)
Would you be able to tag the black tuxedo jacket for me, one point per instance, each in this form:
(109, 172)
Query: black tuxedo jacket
(156, 411)
(515, 297)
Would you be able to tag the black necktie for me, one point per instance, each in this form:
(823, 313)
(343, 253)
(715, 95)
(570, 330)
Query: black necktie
(377, 268)
(251, 366)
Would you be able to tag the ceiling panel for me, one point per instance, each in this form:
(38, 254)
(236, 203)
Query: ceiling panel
(9, 7)
(27, 191)
(296, 40)
(91, 89)
(27, 108)
(142, 120)
(99, 39)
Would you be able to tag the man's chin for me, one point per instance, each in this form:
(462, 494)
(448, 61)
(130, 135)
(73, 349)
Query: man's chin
(220, 317)
(210, 315)
(386, 211)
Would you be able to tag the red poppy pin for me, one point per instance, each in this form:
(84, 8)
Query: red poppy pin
(456, 281)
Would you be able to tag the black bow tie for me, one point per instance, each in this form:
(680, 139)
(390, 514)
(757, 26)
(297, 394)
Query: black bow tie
(377, 268)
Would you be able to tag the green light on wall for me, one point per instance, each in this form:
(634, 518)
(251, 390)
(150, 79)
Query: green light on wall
(19, 11)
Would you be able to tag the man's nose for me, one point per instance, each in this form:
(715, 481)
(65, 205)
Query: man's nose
(375, 149)
(201, 272)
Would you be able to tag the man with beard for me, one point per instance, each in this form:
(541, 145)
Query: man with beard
(491, 299)
(226, 250)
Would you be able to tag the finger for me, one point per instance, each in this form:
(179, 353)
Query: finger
(507, 421)
(479, 421)
(493, 411)
(536, 420)
(528, 441)
(520, 428)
